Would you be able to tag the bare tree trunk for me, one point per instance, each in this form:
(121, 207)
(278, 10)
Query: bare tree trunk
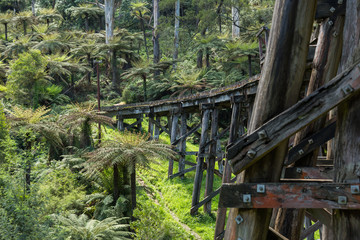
(109, 19)
(144, 34)
(176, 35)
(33, 7)
(114, 69)
(235, 21)
(156, 34)
(287, 52)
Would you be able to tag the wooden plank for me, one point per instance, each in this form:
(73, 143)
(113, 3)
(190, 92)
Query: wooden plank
(309, 172)
(174, 126)
(220, 135)
(188, 153)
(310, 230)
(182, 144)
(200, 160)
(323, 9)
(182, 172)
(138, 121)
(249, 149)
(191, 131)
(321, 214)
(285, 195)
(207, 199)
(311, 143)
(158, 124)
(274, 235)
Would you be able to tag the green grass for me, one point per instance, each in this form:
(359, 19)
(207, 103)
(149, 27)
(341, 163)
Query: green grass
(176, 194)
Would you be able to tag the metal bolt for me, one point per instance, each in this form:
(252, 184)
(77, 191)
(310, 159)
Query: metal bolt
(347, 89)
(262, 134)
(239, 238)
(239, 219)
(332, 9)
(330, 23)
(342, 200)
(298, 170)
(260, 188)
(307, 177)
(301, 152)
(335, 34)
(310, 141)
(355, 189)
(251, 154)
(340, 2)
(246, 198)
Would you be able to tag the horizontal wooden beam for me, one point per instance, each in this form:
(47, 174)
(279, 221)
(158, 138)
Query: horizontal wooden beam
(205, 200)
(182, 172)
(311, 143)
(290, 195)
(309, 172)
(251, 148)
(188, 153)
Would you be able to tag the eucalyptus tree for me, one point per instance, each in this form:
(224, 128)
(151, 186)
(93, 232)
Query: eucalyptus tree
(126, 149)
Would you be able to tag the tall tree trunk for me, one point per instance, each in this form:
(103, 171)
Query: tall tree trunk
(200, 53)
(286, 54)
(24, 26)
(235, 21)
(88, 56)
(114, 69)
(347, 137)
(144, 34)
(176, 35)
(33, 7)
(156, 35)
(6, 31)
(145, 88)
(86, 23)
(109, 19)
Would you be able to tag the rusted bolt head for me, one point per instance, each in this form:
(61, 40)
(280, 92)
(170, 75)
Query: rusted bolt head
(342, 200)
(332, 9)
(310, 141)
(330, 23)
(298, 170)
(262, 134)
(340, 1)
(301, 152)
(335, 34)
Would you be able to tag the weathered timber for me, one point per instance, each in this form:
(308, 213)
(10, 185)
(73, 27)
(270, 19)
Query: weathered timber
(207, 199)
(310, 230)
(181, 173)
(135, 124)
(182, 146)
(279, 88)
(309, 173)
(200, 160)
(211, 159)
(323, 215)
(188, 153)
(347, 150)
(158, 125)
(338, 90)
(173, 134)
(289, 195)
(328, 8)
(311, 143)
(220, 96)
(151, 125)
(188, 133)
(274, 235)
(157, 129)
(217, 137)
(234, 125)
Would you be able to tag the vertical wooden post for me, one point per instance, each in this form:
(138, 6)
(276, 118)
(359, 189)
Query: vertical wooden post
(200, 158)
(182, 147)
(278, 89)
(151, 124)
(347, 137)
(120, 123)
(173, 135)
(221, 213)
(157, 129)
(139, 125)
(211, 159)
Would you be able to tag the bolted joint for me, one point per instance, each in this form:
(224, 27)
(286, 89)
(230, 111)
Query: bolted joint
(347, 89)
(340, 2)
(332, 9)
(301, 152)
(355, 189)
(298, 170)
(247, 198)
(342, 200)
(251, 153)
(330, 23)
(310, 141)
(260, 188)
(239, 219)
(262, 135)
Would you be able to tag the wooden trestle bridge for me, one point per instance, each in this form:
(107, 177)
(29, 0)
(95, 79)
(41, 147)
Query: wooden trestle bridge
(277, 163)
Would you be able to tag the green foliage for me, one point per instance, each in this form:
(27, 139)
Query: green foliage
(83, 228)
(27, 77)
